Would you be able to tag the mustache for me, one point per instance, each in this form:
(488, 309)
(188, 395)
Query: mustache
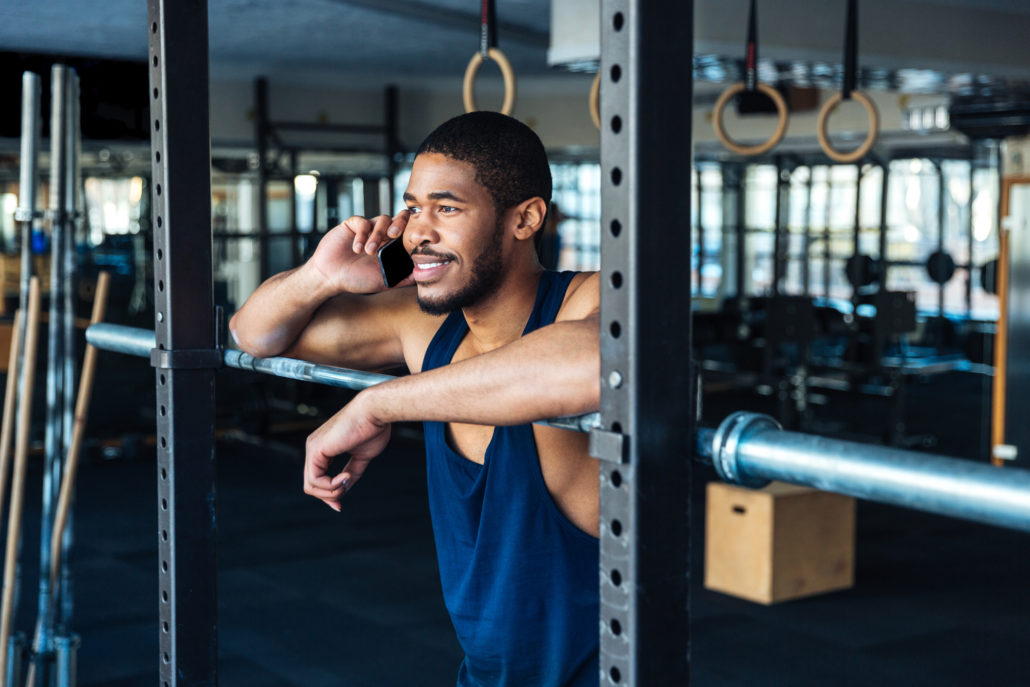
(431, 253)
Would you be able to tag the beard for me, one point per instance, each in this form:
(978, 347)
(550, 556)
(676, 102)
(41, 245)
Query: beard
(486, 274)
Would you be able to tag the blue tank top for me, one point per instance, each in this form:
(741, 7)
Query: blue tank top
(519, 579)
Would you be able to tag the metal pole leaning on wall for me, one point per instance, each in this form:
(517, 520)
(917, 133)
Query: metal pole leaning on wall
(646, 378)
(185, 337)
(61, 111)
(28, 185)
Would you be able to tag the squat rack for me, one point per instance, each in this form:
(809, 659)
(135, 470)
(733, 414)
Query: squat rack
(646, 374)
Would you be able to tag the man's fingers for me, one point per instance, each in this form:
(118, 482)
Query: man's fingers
(400, 221)
(361, 228)
(378, 236)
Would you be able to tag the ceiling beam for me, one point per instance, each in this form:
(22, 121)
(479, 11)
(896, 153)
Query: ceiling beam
(452, 19)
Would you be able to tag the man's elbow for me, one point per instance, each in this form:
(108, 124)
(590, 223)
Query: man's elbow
(258, 344)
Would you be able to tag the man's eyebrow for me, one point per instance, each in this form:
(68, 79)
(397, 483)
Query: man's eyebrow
(435, 195)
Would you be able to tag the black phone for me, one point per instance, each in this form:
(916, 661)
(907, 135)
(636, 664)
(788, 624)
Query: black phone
(394, 263)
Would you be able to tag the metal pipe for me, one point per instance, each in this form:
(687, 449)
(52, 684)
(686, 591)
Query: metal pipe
(28, 181)
(140, 342)
(60, 113)
(69, 387)
(750, 449)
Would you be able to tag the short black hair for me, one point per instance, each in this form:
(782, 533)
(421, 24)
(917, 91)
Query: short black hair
(508, 157)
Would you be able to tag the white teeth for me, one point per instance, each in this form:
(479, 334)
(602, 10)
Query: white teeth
(430, 265)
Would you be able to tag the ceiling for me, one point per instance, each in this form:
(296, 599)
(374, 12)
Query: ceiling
(340, 43)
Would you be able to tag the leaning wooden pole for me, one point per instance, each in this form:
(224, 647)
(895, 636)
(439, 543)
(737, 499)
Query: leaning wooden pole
(21, 455)
(71, 466)
(10, 401)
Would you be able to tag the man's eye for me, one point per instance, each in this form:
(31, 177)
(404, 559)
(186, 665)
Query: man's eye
(448, 208)
(414, 210)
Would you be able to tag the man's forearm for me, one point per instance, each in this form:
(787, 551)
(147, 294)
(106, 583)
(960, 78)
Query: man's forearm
(278, 311)
(552, 372)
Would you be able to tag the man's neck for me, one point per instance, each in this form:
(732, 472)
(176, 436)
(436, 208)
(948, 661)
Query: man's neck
(501, 317)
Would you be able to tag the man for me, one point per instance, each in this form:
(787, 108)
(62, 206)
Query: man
(493, 343)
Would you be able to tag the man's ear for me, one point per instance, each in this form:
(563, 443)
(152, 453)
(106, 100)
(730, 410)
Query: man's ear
(528, 217)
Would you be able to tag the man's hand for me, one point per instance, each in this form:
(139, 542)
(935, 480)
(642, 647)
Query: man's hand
(354, 430)
(346, 255)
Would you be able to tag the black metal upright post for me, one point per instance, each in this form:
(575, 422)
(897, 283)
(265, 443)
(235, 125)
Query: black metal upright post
(646, 378)
(780, 242)
(881, 273)
(393, 144)
(941, 216)
(700, 236)
(185, 333)
(261, 134)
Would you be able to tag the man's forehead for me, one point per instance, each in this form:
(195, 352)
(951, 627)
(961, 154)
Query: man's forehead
(433, 172)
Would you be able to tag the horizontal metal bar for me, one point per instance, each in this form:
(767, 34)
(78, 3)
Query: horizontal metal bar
(140, 342)
(751, 449)
(330, 128)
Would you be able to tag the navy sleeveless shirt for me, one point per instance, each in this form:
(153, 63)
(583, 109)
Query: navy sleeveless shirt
(519, 579)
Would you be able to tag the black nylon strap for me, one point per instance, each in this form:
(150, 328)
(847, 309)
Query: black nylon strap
(751, 56)
(488, 26)
(850, 50)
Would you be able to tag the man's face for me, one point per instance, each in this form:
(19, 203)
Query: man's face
(454, 234)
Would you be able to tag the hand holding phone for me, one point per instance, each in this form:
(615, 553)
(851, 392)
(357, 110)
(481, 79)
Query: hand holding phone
(394, 263)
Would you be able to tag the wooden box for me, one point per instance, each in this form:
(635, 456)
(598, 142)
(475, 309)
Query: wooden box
(778, 543)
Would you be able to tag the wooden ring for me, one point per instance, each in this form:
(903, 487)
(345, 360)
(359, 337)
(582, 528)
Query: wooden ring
(824, 117)
(733, 146)
(468, 94)
(595, 101)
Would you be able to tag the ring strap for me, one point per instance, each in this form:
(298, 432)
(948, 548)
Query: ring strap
(488, 27)
(751, 54)
(850, 50)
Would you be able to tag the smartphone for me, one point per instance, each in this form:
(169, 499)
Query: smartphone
(394, 263)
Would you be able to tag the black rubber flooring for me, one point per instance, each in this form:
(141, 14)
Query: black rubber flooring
(308, 597)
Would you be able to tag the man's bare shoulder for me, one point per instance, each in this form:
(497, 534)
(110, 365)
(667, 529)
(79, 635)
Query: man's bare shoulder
(583, 297)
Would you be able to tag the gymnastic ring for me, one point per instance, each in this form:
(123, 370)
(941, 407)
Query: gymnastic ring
(595, 101)
(468, 94)
(824, 117)
(733, 146)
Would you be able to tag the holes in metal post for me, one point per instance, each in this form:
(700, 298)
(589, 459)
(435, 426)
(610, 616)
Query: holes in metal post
(164, 535)
(164, 566)
(164, 473)
(616, 577)
(160, 286)
(155, 60)
(616, 280)
(166, 658)
(615, 72)
(164, 504)
(616, 177)
(155, 93)
(164, 626)
(160, 253)
(164, 411)
(616, 627)
(161, 379)
(164, 444)
(616, 124)
(616, 527)
(616, 330)
(616, 479)
(160, 221)
(617, 427)
(157, 155)
(153, 27)
(157, 125)
(157, 189)
(615, 227)
(164, 597)
(615, 675)
(617, 21)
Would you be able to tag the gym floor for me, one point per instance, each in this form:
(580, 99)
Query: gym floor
(310, 597)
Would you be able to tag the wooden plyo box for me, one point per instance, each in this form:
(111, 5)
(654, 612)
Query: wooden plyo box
(778, 543)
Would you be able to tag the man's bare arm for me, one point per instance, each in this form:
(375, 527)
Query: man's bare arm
(334, 308)
(551, 372)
